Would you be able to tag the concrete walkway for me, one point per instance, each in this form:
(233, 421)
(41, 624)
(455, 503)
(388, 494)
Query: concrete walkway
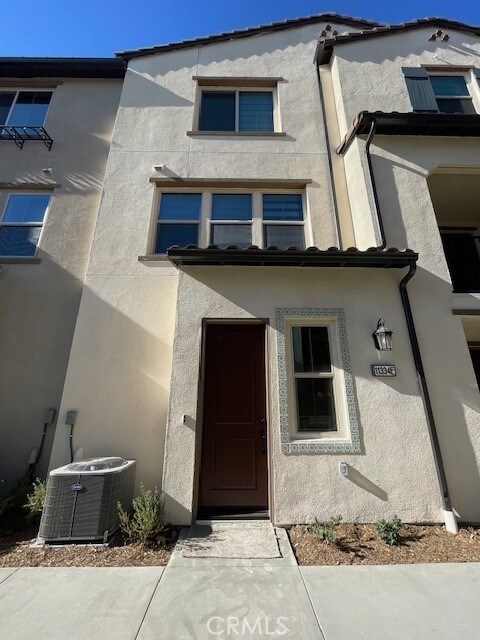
(217, 598)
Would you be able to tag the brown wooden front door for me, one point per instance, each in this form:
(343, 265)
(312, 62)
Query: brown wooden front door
(234, 442)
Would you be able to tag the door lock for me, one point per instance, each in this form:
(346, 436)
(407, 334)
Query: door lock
(263, 435)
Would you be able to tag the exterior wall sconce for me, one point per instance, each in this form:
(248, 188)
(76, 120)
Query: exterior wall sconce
(383, 337)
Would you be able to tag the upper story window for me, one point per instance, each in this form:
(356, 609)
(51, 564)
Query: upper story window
(236, 111)
(21, 224)
(24, 108)
(451, 94)
(225, 219)
(439, 92)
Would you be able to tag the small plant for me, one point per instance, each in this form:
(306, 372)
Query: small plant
(325, 531)
(147, 518)
(389, 530)
(36, 499)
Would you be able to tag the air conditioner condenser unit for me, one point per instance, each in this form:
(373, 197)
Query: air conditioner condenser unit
(81, 500)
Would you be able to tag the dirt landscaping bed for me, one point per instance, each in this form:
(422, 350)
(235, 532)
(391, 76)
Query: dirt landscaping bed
(15, 551)
(358, 544)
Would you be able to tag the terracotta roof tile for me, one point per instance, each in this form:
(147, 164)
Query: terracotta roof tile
(250, 31)
(325, 45)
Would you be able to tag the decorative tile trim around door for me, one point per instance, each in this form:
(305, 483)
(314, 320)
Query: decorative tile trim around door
(289, 445)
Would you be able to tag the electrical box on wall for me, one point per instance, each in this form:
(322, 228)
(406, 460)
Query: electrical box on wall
(71, 418)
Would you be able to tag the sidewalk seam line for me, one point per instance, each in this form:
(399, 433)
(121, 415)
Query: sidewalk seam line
(9, 575)
(311, 603)
(149, 603)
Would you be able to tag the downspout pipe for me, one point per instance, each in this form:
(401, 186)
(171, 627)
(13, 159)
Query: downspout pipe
(449, 516)
(371, 133)
(329, 157)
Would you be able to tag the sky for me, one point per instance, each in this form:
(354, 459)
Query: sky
(99, 28)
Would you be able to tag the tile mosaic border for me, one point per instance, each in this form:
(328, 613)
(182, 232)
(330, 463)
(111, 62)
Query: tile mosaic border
(291, 446)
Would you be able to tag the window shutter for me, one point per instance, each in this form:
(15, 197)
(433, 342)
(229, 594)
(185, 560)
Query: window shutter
(419, 89)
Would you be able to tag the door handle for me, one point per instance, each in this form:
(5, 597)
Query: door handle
(262, 421)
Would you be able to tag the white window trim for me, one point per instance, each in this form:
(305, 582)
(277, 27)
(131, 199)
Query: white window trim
(205, 222)
(277, 128)
(470, 82)
(336, 375)
(17, 91)
(347, 438)
(24, 224)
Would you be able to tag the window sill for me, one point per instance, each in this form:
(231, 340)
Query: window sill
(154, 257)
(239, 134)
(19, 260)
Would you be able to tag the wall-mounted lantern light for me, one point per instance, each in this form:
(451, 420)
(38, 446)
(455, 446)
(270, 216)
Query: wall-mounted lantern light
(383, 337)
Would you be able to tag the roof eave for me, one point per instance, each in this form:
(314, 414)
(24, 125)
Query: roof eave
(15, 67)
(331, 258)
(358, 23)
(413, 124)
(325, 47)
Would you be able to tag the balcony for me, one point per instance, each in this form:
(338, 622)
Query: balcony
(462, 249)
(455, 197)
(21, 134)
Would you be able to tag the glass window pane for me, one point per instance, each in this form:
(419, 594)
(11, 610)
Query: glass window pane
(179, 234)
(6, 100)
(256, 111)
(217, 112)
(455, 105)
(18, 241)
(283, 236)
(311, 349)
(227, 206)
(179, 206)
(30, 108)
(316, 409)
(239, 235)
(26, 208)
(282, 207)
(449, 86)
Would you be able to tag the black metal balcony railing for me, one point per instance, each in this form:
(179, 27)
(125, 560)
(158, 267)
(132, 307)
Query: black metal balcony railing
(19, 135)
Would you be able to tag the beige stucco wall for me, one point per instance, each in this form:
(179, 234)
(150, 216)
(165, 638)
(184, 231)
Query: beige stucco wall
(394, 473)
(401, 167)
(126, 301)
(132, 326)
(368, 76)
(39, 302)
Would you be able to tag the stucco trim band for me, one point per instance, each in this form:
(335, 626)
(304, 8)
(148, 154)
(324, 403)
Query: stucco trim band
(288, 445)
(241, 183)
(237, 81)
(31, 186)
(238, 134)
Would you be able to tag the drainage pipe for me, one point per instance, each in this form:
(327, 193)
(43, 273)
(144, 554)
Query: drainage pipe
(449, 516)
(371, 133)
(329, 157)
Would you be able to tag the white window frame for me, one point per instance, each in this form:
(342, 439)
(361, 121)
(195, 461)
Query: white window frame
(342, 432)
(466, 75)
(6, 197)
(237, 90)
(206, 223)
(17, 91)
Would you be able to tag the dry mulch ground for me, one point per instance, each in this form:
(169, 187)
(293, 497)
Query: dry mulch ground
(358, 544)
(15, 551)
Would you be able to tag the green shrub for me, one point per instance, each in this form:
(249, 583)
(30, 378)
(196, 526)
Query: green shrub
(389, 530)
(147, 518)
(36, 499)
(325, 531)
